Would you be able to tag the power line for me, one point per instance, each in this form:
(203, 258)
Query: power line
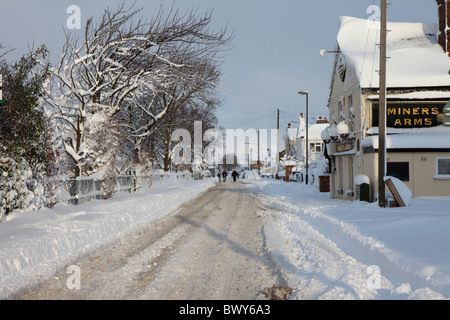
(266, 115)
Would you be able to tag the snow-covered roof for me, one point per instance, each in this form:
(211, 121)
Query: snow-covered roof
(416, 59)
(314, 133)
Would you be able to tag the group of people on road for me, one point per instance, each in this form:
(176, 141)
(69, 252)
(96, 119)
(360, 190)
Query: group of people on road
(223, 176)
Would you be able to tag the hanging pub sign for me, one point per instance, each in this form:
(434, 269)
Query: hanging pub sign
(411, 115)
(344, 146)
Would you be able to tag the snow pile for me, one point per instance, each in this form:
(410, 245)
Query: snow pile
(34, 245)
(327, 248)
(402, 189)
(251, 175)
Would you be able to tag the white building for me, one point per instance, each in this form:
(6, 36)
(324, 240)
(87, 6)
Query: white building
(295, 143)
(418, 88)
(295, 140)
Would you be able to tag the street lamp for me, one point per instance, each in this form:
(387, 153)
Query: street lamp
(322, 52)
(306, 93)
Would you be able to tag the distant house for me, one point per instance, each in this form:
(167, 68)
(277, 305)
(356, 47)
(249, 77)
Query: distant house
(418, 82)
(294, 154)
(295, 139)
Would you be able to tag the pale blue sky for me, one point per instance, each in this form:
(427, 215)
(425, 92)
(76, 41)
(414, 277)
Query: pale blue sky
(275, 52)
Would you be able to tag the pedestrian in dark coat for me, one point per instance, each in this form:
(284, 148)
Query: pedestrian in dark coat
(224, 175)
(219, 175)
(234, 174)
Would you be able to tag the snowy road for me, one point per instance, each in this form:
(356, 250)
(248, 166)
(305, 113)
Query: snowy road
(211, 248)
(229, 241)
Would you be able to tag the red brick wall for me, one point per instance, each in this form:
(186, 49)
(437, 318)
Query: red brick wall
(444, 23)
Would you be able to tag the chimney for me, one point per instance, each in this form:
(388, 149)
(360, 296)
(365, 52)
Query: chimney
(444, 24)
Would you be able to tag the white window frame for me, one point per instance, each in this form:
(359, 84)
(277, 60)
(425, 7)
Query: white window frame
(441, 176)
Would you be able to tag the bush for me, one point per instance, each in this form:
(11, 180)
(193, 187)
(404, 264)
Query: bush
(18, 188)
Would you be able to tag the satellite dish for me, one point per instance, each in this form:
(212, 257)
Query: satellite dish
(322, 53)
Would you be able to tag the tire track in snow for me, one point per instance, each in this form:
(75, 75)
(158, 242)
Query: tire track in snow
(210, 248)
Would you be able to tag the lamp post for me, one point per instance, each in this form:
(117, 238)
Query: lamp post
(306, 93)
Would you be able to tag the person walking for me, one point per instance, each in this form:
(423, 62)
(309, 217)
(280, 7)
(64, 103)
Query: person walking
(224, 175)
(219, 175)
(234, 175)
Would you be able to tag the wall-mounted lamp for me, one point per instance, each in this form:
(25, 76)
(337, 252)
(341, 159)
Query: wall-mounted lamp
(322, 52)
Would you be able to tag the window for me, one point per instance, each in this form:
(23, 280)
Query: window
(375, 114)
(341, 112)
(350, 113)
(319, 147)
(442, 168)
(316, 147)
(399, 170)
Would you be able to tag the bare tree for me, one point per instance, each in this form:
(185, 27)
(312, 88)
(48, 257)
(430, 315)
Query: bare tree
(121, 58)
(195, 78)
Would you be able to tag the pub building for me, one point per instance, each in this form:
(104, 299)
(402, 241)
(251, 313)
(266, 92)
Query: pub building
(418, 94)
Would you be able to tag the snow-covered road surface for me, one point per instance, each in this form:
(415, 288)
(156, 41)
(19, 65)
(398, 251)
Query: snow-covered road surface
(211, 248)
(203, 240)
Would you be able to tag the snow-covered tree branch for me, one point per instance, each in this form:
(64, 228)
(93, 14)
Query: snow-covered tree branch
(123, 65)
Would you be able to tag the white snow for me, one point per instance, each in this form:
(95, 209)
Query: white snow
(251, 175)
(326, 249)
(401, 188)
(415, 57)
(411, 141)
(34, 245)
(414, 95)
(342, 128)
(361, 178)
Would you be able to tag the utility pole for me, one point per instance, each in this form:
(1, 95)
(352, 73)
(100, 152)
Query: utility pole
(306, 93)
(278, 138)
(382, 108)
(259, 164)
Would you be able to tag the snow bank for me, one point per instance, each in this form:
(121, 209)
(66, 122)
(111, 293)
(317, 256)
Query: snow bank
(252, 175)
(34, 245)
(324, 245)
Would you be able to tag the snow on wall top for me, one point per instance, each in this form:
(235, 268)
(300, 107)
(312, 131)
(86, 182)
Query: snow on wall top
(411, 141)
(415, 57)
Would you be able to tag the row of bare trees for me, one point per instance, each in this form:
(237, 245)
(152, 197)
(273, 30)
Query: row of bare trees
(120, 89)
